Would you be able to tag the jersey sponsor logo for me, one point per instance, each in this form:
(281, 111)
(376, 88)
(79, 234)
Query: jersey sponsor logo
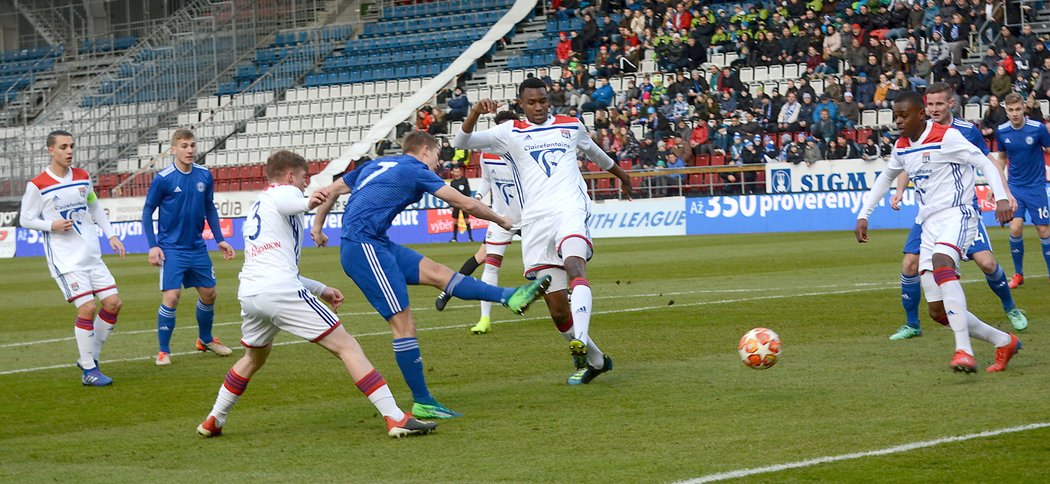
(547, 159)
(200, 186)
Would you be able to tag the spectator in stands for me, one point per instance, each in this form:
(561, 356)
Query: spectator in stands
(825, 127)
(953, 78)
(849, 112)
(563, 49)
(825, 104)
(589, 37)
(1005, 41)
(446, 154)
(656, 125)
(857, 54)
(870, 151)
(700, 138)
(1033, 110)
(881, 90)
(848, 147)
(440, 125)
(647, 155)
(812, 152)
(994, 115)
(939, 54)
(424, 119)
(1042, 81)
(787, 120)
(557, 99)
(1002, 83)
(832, 151)
(681, 148)
(977, 86)
(805, 115)
(922, 69)
(601, 98)
(680, 107)
(991, 59)
(458, 105)
(957, 37)
(574, 97)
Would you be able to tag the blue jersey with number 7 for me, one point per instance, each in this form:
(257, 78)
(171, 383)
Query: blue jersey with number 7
(380, 190)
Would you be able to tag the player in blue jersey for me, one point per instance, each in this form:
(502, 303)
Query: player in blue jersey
(183, 193)
(382, 269)
(1022, 144)
(939, 105)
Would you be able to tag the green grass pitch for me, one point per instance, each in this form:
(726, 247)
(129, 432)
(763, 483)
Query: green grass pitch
(679, 404)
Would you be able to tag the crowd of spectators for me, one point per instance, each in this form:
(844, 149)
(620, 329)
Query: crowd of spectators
(865, 53)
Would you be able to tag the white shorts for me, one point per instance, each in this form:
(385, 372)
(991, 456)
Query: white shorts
(950, 232)
(541, 241)
(498, 238)
(297, 312)
(82, 286)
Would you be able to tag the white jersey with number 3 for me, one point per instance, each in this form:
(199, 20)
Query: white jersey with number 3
(542, 161)
(273, 240)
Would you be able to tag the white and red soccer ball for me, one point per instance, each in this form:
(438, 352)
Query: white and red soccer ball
(759, 348)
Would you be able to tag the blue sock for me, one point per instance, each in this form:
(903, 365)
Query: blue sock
(165, 326)
(997, 281)
(205, 318)
(469, 288)
(406, 352)
(1017, 251)
(1046, 252)
(910, 294)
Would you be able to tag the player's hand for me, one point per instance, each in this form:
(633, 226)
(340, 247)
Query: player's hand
(333, 297)
(895, 201)
(1004, 211)
(485, 106)
(156, 256)
(117, 245)
(861, 230)
(503, 222)
(317, 198)
(627, 188)
(63, 225)
(227, 250)
(318, 236)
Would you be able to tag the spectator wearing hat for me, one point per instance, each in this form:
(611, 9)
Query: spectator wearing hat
(458, 105)
(812, 152)
(976, 86)
(849, 111)
(939, 53)
(921, 70)
(805, 116)
(601, 98)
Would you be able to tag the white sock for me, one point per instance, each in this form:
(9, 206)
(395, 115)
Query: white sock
(595, 357)
(984, 332)
(102, 332)
(384, 402)
(223, 404)
(491, 277)
(568, 335)
(955, 305)
(84, 330)
(580, 301)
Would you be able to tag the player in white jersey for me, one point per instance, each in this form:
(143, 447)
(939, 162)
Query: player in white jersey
(61, 204)
(275, 297)
(497, 180)
(541, 152)
(939, 161)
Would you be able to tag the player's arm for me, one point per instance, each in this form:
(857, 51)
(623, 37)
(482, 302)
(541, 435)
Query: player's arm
(332, 192)
(598, 155)
(1004, 208)
(898, 195)
(99, 214)
(212, 215)
(291, 201)
(871, 199)
(32, 207)
(329, 294)
(153, 199)
(471, 206)
(488, 140)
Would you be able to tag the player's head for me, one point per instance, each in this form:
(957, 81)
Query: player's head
(1014, 105)
(60, 147)
(910, 114)
(504, 116)
(532, 98)
(287, 168)
(939, 102)
(423, 146)
(184, 146)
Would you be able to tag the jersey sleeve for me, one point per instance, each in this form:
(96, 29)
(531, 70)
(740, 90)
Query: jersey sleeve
(894, 162)
(350, 177)
(428, 181)
(1044, 136)
(210, 212)
(999, 141)
(974, 137)
(32, 206)
(289, 200)
(492, 140)
(956, 148)
(153, 199)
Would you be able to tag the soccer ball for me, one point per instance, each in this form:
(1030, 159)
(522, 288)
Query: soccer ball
(759, 348)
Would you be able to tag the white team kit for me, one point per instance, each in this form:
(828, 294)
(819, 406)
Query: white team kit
(272, 294)
(548, 184)
(497, 179)
(74, 257)
(939, 165)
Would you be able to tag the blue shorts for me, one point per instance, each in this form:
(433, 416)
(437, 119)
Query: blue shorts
(186, 268)
(981, 242)
(382, 271)
(1034, 201)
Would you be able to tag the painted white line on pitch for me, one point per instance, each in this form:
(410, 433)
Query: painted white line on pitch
(857, 455)
(459, 306)
(459, 326)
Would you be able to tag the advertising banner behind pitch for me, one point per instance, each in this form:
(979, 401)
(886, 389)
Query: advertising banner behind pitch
(822, 176)
(638, 218)
(8, 245)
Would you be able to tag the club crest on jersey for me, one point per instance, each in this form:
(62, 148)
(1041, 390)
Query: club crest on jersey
(75, 286)
(200, 186)
(83, 191)
(547, 159)
(567, 134)
(926, 157)
(1028, 140)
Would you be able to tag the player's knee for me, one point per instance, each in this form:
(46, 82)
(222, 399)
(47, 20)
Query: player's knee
(86, 310)
(910, 264)
(170, 298)
(112, 305)
(207, 295)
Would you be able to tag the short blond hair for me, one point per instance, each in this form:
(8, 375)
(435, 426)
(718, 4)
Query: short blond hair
(181, 133)
(1012, 98)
